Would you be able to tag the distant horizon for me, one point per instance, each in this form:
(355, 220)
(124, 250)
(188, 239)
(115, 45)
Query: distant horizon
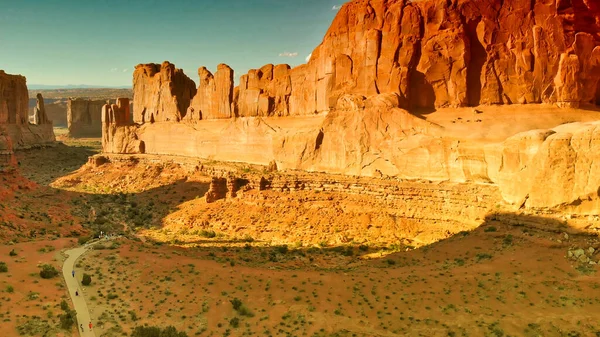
(66, 41)
(75, 86)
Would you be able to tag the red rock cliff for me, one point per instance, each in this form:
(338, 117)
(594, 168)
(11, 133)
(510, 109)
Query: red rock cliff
(431, 53)
(161, 93)
(15, 130)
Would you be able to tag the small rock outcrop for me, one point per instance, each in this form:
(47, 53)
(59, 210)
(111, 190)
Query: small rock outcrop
(217, 189)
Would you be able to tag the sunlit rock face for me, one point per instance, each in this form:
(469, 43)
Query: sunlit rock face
(360, 105)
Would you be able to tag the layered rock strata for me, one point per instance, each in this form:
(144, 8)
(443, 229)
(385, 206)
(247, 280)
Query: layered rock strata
(15, 130)
(347, 110)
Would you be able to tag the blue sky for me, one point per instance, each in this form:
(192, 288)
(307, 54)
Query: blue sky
(99, 42)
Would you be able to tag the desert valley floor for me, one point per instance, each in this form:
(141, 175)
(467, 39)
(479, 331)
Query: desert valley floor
(261, 263)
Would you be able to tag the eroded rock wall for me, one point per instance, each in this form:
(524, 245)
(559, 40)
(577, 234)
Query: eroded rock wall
(84, 117)
(431, 53)
(161, 93)
(15, 130)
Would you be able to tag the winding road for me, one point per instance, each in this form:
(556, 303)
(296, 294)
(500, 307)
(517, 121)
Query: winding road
(73, 284)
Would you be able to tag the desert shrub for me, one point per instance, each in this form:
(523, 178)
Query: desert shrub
(241, 308)
(153, 331)
(283, 249)
(363, 248)
(86, 280)
(48, 271)
(391, 262)
(236, 303)
(67, 319)
(234, 322)
(490, 229)
(12, 253)
(208, 234)
(348, 251)
(10, 289)
(483, 256)
(508, 240)
(3, 267)
(83, 239)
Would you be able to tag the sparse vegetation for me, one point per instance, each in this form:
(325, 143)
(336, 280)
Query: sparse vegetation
(153, 331)
(86, 280)
(48, 271)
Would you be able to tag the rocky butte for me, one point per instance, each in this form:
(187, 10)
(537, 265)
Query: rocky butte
(387, 93)
(16, 132)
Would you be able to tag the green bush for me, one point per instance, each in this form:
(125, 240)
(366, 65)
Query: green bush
(83, 239)
(234, 322)
(281, 249)
(153, 331)
(12, 253)
(208, 234)
(86, 280)
(48, 271)
(3, 267)
(241, 308)
(67, 319)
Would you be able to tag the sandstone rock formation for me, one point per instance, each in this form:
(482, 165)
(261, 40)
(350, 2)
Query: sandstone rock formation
(214, 96)
(15, 130)
(39, 112)
(161, 93)
(118, 136)
(84, 117)
(359, 105)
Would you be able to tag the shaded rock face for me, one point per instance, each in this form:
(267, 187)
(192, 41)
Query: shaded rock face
(15, 130)
(84, 117)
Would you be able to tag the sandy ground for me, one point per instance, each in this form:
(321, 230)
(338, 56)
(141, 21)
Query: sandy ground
(28, 302)
(497, 280)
